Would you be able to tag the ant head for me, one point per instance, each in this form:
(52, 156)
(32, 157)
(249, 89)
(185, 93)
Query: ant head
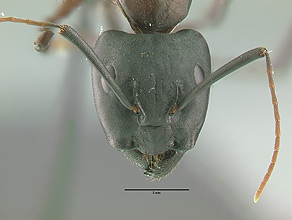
(149, 16)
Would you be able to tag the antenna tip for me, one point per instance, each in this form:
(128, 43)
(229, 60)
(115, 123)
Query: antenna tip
(257, 196)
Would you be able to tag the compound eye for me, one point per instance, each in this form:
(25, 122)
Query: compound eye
(198, 74)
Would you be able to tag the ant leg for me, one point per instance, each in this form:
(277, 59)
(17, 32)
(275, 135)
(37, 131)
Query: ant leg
(42, 42)
(228, 68)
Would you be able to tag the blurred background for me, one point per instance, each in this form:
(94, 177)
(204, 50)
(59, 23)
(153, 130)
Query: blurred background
(55, 162)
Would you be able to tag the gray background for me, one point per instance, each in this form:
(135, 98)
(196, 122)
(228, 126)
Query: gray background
(55, 162)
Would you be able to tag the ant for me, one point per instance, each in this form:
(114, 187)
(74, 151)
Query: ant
(152, 88)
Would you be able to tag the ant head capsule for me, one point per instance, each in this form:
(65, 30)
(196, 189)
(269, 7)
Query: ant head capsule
(155, 72)
(149, 16)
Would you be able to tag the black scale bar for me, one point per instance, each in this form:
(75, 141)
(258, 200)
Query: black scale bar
(154, 189)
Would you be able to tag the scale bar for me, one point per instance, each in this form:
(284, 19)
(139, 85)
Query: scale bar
(157, 189)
